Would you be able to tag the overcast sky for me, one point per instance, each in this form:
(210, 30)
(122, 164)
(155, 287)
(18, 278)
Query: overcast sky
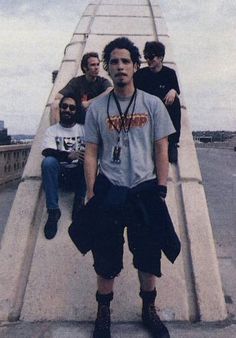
(34, 33)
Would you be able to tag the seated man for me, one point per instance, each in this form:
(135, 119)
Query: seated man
(84, 88)
(161, 81)
(63, 148)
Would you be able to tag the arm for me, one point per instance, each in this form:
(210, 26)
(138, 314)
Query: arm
(90, 167)
(161, 160)
(54, 109)
(174, 91)
(61, 156)
(170, 97)
(86, 104)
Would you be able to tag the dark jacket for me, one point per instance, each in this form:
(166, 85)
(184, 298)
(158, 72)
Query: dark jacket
(111, 200)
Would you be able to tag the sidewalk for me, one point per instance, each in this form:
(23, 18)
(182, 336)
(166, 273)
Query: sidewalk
(120, 330)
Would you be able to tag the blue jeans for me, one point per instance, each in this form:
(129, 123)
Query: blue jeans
(52, 172)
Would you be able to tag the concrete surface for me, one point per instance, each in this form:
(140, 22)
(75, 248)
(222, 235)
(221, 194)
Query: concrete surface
(42, 280)
(121, 330)
(217, 167)
(7, 195)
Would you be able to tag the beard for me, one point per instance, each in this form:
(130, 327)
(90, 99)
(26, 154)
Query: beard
(120, 84)
(67, 119)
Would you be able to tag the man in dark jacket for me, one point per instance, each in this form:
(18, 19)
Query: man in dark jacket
(161, 81)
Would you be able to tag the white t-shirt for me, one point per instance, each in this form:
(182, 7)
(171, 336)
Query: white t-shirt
(64, 139)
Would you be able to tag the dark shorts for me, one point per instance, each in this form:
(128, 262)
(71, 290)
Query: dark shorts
(109, 237)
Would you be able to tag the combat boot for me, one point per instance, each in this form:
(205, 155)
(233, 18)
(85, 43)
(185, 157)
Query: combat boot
(103, 320)
(150, 318)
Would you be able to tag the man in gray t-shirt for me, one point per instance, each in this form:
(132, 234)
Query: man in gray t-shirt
(147, 121)
(126, 132)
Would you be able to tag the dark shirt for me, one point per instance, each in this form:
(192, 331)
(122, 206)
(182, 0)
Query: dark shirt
(84, 90)
(159, 83)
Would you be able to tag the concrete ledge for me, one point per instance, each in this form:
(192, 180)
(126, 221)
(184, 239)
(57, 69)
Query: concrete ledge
(17, 247)
(206, 277)
(33, 165)
(188, 163)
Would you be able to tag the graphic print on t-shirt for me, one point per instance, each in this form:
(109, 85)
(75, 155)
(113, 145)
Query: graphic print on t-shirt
(69, 143)
(138, 120)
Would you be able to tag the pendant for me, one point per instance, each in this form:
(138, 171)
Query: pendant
(116, 150)
(126, 140)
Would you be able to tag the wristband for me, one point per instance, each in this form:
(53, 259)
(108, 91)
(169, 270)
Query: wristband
(162, 190)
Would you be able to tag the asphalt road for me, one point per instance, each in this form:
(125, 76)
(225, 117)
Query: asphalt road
(218, 168)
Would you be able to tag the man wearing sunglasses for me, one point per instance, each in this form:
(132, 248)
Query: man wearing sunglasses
(161, 81)
(85, 87)
(63, 148)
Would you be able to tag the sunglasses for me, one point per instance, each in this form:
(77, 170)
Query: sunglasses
(72, 107)
(149, 56)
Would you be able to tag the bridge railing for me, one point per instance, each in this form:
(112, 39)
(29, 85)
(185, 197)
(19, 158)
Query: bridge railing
(12, 161)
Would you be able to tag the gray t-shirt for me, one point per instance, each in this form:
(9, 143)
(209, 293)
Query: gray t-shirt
(150, 122)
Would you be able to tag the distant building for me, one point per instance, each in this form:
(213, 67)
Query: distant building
(4, 137)
(203, 139)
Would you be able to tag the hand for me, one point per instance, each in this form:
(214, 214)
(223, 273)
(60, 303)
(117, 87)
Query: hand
(77, 155)
(85, 104)
(162, 190)
(90, 194)
(81, 155)
(170, 97)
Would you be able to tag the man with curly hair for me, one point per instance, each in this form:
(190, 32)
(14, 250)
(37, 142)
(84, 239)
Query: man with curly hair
(126, 133)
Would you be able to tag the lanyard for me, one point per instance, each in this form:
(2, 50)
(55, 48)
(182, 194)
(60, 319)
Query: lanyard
(123, 116)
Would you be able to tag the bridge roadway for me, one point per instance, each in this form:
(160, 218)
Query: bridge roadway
(218, 171)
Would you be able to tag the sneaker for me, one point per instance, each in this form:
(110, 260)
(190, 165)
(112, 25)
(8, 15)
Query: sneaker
(103, 322)
(173, 152)
(50, 228)
(153, 322)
